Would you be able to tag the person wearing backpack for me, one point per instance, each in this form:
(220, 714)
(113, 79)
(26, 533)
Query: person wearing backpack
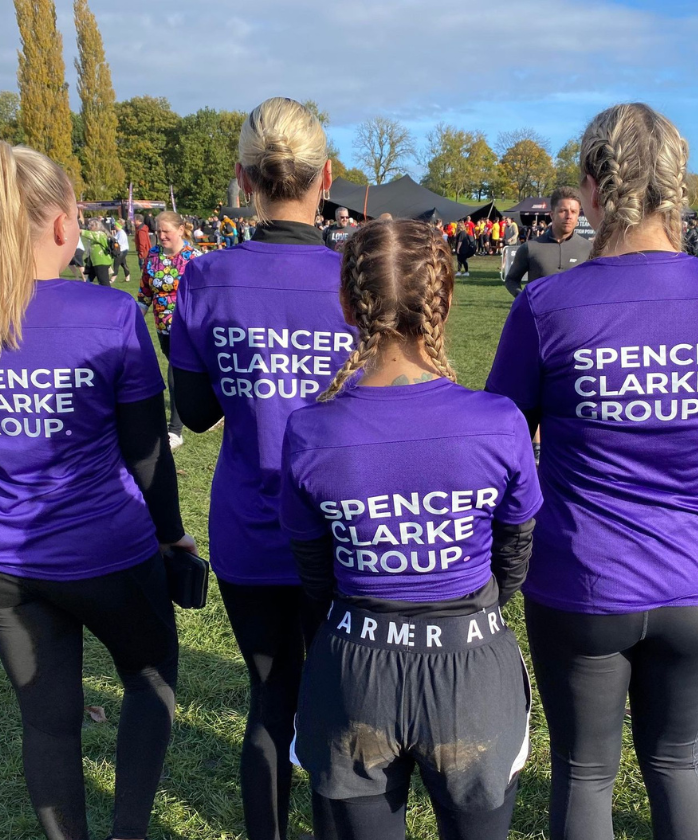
(99, 259)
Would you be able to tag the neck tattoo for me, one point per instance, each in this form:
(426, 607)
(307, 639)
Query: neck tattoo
(404, 380)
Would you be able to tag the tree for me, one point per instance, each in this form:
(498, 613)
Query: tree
(145, 126)
(10, 128)
(567, 173)
(443, 157)
(383, 146)
(525, 162)
(45, 110)
(356, 176)
(314, 108)
(458, 162)
(203, 151)
(101, 168)
(482, 167)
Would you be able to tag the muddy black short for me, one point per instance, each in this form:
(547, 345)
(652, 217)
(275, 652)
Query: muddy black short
(382, 693)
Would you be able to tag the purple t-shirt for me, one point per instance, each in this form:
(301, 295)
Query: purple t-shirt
(69, 508)
(264, 320)
(608, 352)
(408, 479)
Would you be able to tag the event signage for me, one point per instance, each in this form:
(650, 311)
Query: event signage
(584, 229)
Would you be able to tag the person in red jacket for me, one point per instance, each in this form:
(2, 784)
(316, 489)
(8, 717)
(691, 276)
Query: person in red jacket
(142, 240)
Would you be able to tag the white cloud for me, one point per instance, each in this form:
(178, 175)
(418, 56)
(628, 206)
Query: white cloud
(418, 61)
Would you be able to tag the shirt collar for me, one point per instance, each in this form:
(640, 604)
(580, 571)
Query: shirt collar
(281, 232)
(548, 235)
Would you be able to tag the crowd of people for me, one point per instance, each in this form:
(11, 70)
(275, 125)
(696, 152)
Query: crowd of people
(363, 500)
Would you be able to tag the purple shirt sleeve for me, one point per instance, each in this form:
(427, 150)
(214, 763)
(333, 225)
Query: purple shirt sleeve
(516, 372)
(183, 352)
(300, 519)
(138, 377)
(522, 498)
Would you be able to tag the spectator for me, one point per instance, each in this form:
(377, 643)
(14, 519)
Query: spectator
(142, 240)
(558, 249)
(162, 272)
(121, 259)
(336, 235)
(99, 259)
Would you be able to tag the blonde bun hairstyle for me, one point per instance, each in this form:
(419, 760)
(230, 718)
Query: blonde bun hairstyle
(638, 160)
(283, 149)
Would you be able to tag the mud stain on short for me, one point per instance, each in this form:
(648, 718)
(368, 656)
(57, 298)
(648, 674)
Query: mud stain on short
(456, 756)
(367, 746)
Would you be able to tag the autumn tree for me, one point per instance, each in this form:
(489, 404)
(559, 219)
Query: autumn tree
(526, 163)
(482, 167)
(203, 149)
(10, 128)
(101, 168)
(45, 110)
(383, 146)
(567, 171)
(356, 176)
(145, 126)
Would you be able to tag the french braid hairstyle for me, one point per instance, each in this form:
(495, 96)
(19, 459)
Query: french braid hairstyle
(638, 160)
(397, 282)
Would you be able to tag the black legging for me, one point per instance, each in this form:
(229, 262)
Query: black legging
(383, 818)
(271, 626)
(585, 666)
(462, 262)
(175, 425)
(41, 626)
(121, 261)
(100, 273)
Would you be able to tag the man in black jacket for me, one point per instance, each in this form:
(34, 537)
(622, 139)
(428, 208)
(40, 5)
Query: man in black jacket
(558, 249)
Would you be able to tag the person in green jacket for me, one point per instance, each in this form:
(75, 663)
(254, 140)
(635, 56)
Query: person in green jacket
(99, 261)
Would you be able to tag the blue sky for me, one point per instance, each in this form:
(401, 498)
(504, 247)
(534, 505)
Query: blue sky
(548, 64)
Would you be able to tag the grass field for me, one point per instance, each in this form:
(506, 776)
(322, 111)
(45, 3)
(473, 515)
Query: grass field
(199, 798)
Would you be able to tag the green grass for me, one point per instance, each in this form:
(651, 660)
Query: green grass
(199, 797)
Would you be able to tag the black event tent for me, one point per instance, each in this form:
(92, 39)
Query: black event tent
(534, 206)
(236, 212)
(401, 198)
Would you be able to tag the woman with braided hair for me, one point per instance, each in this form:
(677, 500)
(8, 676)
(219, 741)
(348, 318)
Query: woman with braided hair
(605, 358)
(409, 503)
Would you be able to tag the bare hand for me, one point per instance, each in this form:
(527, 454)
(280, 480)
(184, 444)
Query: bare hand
(187, 543)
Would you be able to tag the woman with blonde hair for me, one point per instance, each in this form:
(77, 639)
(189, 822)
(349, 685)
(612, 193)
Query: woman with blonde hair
(87, 492)
(162, 273)
(257, 333)
(605, 357)
(412, 532)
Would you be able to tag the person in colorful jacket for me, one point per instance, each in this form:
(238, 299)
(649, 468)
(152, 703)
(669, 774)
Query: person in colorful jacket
(162, 271)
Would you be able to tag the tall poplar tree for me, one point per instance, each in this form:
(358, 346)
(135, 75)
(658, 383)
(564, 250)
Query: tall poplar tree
(101, 168)
(45, 110)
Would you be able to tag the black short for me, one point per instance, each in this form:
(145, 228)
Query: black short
(381, 693)
(78, 258)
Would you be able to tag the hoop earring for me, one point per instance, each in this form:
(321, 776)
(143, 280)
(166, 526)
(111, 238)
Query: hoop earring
(325, 195)
(248, 197)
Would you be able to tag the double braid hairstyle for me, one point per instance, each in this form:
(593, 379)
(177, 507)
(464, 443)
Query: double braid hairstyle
(638, 160)
(397, 282)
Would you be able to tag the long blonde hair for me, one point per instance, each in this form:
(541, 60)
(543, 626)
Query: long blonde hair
(32, 187)
(397, 282)
(283, 148)
(638, 160)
